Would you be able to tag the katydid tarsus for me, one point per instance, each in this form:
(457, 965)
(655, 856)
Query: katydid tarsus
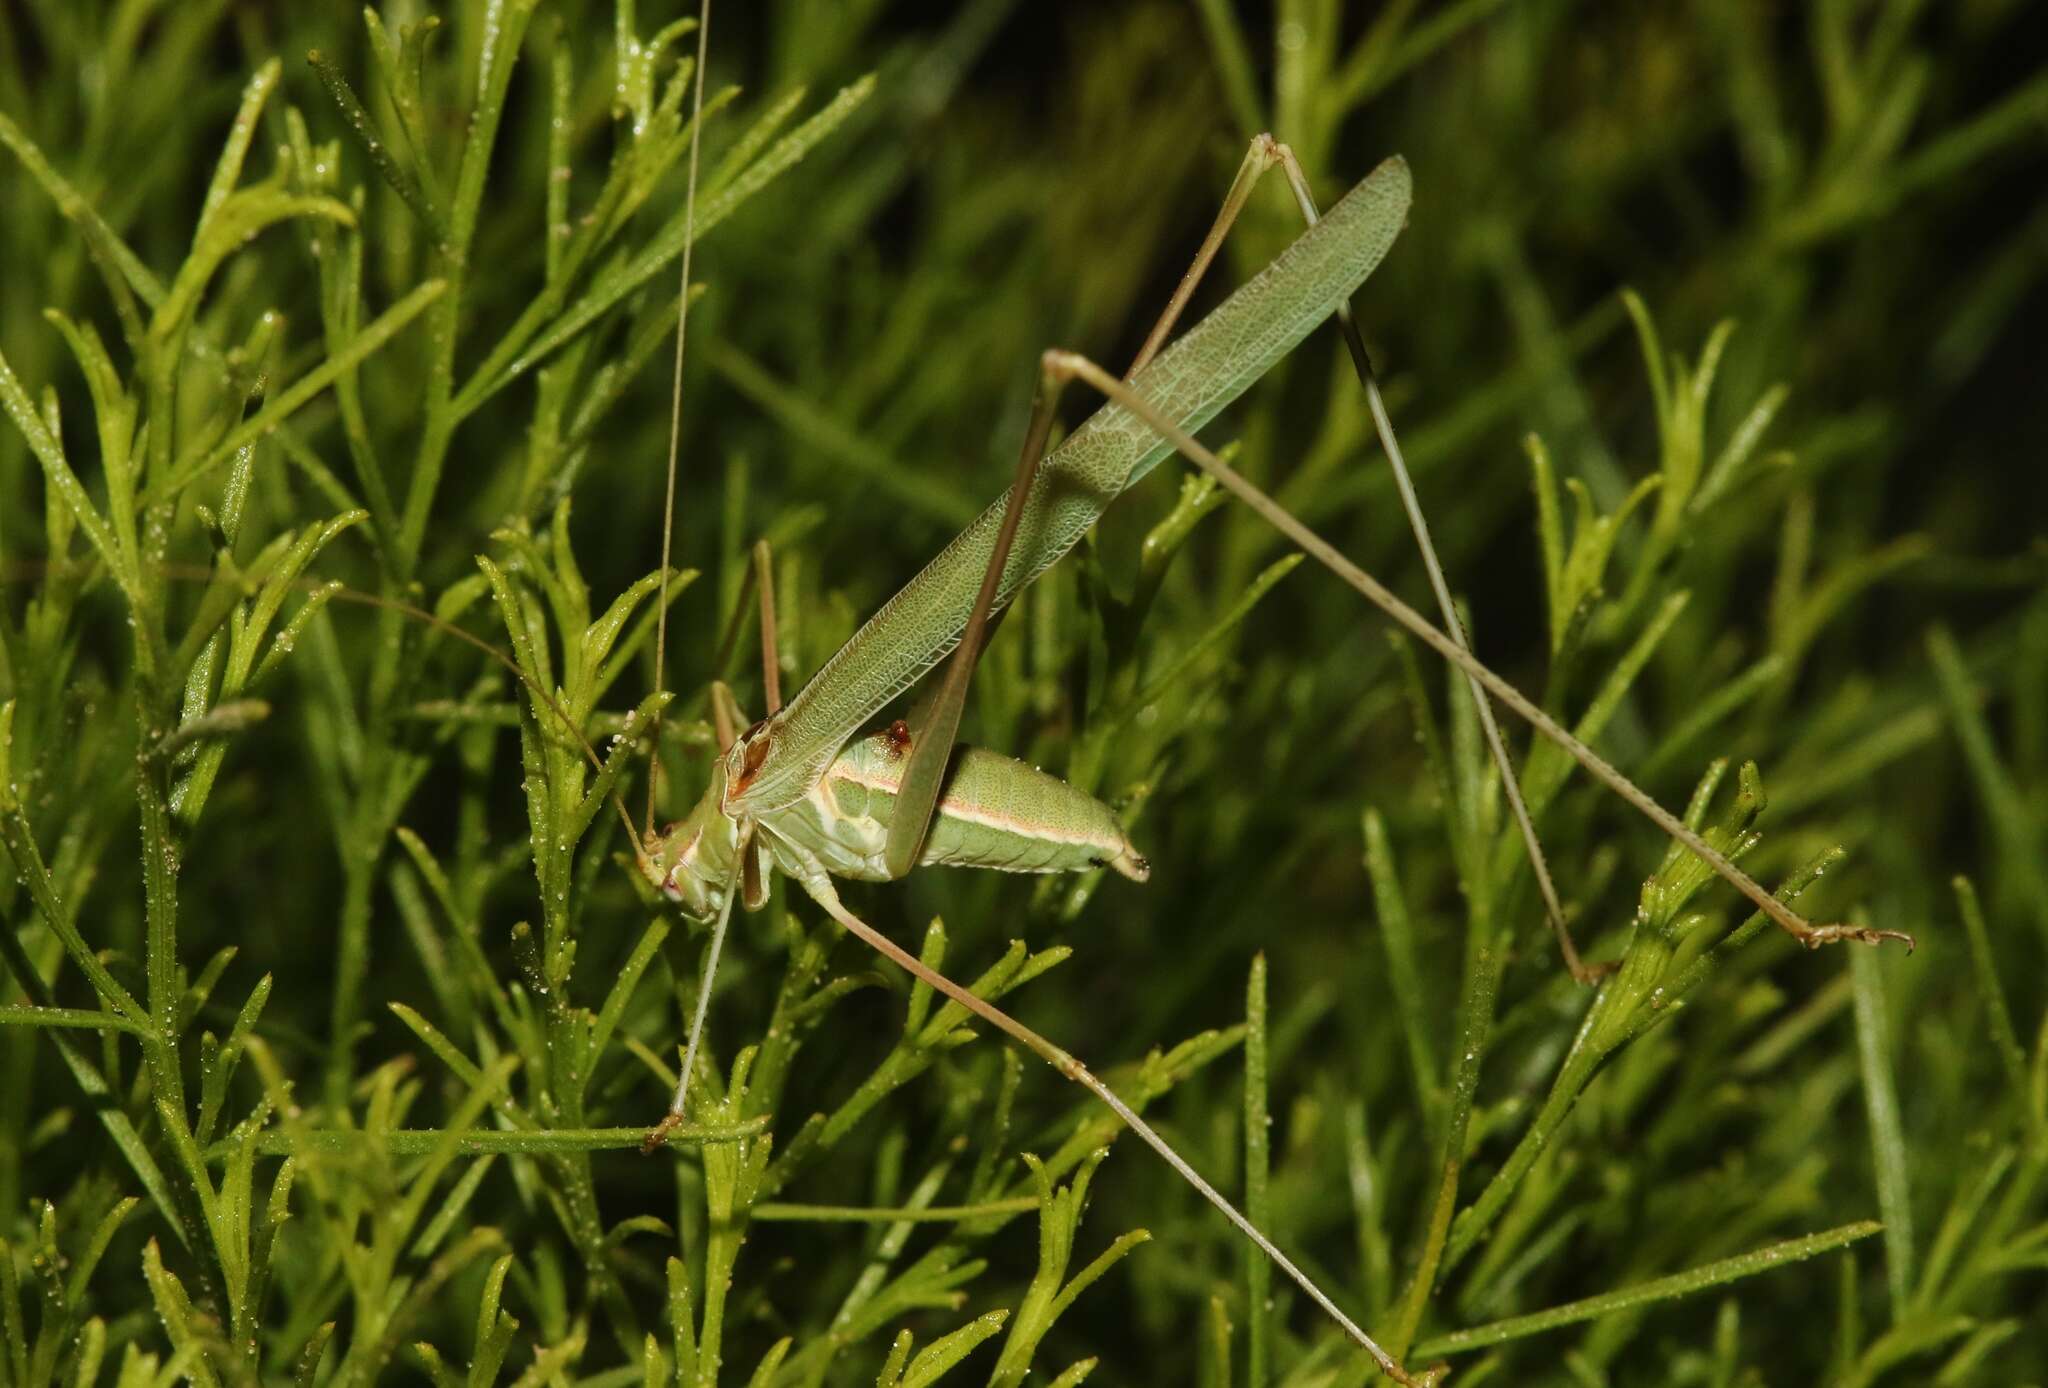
(791, 793)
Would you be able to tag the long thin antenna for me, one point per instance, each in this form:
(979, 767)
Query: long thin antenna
(336, 591)
(341, 593)
(675, 406)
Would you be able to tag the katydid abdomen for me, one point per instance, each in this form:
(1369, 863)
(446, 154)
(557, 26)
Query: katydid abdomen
(995, 812)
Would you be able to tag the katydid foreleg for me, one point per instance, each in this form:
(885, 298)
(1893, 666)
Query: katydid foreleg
(673, 1119)
(751, 871)
(771, 664)
(754, 866)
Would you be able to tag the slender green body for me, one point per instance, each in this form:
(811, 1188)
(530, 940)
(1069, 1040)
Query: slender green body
(787, 791)
(996, 812)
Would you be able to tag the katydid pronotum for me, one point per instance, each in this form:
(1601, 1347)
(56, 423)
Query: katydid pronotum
(793, 793)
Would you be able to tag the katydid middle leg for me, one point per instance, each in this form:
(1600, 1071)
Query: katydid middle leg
(817, 882)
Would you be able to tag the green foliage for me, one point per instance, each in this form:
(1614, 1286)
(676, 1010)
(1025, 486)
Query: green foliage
(333, 345)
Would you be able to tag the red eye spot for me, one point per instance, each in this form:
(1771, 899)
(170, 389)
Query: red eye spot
(899, 738)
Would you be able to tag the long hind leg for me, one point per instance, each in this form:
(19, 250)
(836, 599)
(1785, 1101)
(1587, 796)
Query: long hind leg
(1060, 367)
(1265, 153)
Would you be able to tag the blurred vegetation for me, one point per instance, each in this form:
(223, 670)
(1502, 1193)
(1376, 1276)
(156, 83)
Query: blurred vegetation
(1714, 339)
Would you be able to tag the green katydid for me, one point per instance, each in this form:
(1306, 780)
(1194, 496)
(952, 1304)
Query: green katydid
(792, 793)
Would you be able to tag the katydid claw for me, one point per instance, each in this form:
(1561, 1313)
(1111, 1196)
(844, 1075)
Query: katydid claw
(657, 1136)
(1819, 935)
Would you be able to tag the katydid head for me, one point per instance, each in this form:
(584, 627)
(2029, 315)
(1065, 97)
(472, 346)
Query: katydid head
(691, 861)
